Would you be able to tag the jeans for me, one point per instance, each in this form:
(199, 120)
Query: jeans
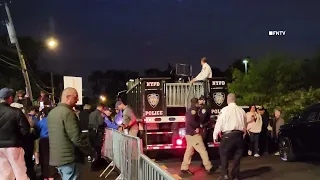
(70, 171)
(254, 143)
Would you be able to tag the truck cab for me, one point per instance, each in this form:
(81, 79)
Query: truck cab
(160, 107)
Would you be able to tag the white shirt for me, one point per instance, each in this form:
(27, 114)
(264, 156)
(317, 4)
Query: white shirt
(205, 73)
(231, 117)
(254, 126)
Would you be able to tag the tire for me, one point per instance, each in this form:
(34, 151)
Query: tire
(286, 151)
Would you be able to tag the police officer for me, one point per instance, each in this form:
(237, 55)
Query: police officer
(204, 115)
(232, 123)
(194, 140)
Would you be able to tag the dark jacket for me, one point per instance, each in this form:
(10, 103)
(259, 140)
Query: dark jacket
(28, 140)
(84, 119)
(204, 116)
(14, 126)
(67, 143)
(265, 121)
(192, 120)
(46, 101)
(26, 102)
(95, 119)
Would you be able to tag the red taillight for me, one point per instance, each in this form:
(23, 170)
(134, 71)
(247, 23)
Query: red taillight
(179, 142)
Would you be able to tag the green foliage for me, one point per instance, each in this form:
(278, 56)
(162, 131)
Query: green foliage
(276, 81)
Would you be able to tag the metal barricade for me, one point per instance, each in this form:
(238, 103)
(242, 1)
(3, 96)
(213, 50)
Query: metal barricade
(107, 150)
(128, 157)
(149, 170)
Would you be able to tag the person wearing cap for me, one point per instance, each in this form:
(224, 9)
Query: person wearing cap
(265, 135)
(14, 127)
(194, 140)
(108, 120)
(204, 115)
(129, 119)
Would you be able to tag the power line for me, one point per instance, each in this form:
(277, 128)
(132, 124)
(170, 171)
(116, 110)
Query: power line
(30, 70)
(14, 65)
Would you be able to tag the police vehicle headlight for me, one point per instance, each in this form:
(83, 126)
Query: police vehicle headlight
(182, 132)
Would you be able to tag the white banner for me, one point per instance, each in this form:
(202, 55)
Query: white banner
(74, 82)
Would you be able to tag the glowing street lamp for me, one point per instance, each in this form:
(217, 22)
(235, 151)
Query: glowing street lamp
(245, 62)
(103, 98)
(52, 43)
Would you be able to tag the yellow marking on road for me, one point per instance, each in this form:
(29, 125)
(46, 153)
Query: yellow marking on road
(176, 176)
(164, 167)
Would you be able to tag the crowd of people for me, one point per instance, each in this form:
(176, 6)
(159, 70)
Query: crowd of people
(237, 130)
(262, 131)
(56, 138)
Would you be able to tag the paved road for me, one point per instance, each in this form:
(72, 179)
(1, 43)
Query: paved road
(262, 168)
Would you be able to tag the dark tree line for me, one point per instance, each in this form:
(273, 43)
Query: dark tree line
(10, 68)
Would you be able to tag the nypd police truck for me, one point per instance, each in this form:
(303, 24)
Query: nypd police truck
(160, 107)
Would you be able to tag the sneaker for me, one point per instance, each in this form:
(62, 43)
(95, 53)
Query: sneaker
(250, 153)
(277, 154)
(187, 172)
(256, 155)
(212, 170)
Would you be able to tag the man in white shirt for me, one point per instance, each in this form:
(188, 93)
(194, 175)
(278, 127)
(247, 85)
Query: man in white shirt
(205, 73)
(232, 123)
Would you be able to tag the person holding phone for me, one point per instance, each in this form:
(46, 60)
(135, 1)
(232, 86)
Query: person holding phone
(44, 100)
(254, 128)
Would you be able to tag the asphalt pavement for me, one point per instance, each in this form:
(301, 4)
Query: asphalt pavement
(263, 168)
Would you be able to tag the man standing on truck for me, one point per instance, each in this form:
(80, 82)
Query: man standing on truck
(194, 140)
(205, 73)
(129, 119)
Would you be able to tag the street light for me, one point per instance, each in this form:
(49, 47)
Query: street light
(52, 43)
(245, 62)
(103, 98)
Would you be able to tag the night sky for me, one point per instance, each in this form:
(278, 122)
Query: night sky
(140, 34)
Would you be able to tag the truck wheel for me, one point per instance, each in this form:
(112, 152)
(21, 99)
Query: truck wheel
(286, 151)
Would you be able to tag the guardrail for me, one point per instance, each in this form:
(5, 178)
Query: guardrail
(125, 153)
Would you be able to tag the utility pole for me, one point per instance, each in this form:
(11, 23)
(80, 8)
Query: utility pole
(52, 88)
(14, 40)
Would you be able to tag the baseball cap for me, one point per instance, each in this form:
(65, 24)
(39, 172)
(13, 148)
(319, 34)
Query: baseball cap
(261, 108)
(118, 103)
(194, 101)
(107, 109)
(6, 92)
